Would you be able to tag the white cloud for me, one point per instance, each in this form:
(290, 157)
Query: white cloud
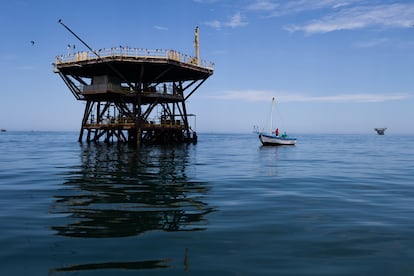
(393, 15)
(247, 95)
(235, 21)
(338, 15)
(356, 98)
(303, 5)
(298, 6)
(262, 5)
(205, 1)
(370, 43)
(214, 24)
(265, 96)
(161, 28)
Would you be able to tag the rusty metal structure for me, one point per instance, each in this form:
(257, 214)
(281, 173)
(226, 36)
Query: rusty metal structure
(134, 95)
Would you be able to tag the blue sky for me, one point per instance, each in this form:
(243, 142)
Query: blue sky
(334, 66)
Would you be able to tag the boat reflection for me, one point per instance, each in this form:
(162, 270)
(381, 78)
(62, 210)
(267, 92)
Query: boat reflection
(120, 191)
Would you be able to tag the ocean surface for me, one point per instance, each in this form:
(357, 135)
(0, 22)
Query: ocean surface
(331, 205)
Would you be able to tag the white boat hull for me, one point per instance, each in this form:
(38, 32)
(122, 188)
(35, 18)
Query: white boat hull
(272, 140)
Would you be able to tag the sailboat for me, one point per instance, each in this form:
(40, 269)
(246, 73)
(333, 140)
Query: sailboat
(274, 139)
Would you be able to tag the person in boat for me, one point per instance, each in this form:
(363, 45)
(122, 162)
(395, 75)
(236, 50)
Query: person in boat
(277, 132)
(284, 135)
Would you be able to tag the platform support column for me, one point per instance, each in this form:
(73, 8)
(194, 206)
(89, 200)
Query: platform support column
(184, 111)
(138, 138)
(84, 120)
(138, 117)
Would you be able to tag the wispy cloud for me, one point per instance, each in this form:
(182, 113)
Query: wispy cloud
(350, 18)
(299, 6)
(205, 1)
(370, 43)
(264, 96)
(328, 15)
(262, 5)
(234, 21)
(306, 5)
(356, 98)
(160, 28)
(214, 24)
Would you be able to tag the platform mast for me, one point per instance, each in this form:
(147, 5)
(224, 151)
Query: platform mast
(197, 46)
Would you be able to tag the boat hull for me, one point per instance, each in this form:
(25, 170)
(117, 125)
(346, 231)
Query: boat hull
(272, 140)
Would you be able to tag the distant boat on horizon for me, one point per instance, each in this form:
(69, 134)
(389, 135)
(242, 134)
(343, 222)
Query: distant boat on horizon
(3, 130)
(380, 130)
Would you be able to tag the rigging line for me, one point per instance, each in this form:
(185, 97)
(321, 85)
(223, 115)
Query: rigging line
(280, 119)
(268, 123)
(97, 55)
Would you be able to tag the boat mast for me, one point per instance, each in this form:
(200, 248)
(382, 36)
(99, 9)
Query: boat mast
(271, 116)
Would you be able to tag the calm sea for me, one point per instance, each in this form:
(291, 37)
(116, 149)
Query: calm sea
(331, 205)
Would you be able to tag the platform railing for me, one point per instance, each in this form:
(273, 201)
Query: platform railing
(127, 52)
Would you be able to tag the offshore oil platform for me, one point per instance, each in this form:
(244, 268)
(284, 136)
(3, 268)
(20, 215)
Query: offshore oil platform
(134, 95)
(380, 130)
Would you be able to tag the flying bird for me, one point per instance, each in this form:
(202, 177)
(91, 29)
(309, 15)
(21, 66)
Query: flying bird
(32, 42)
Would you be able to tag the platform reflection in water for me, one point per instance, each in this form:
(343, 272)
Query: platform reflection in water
(122, 191)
